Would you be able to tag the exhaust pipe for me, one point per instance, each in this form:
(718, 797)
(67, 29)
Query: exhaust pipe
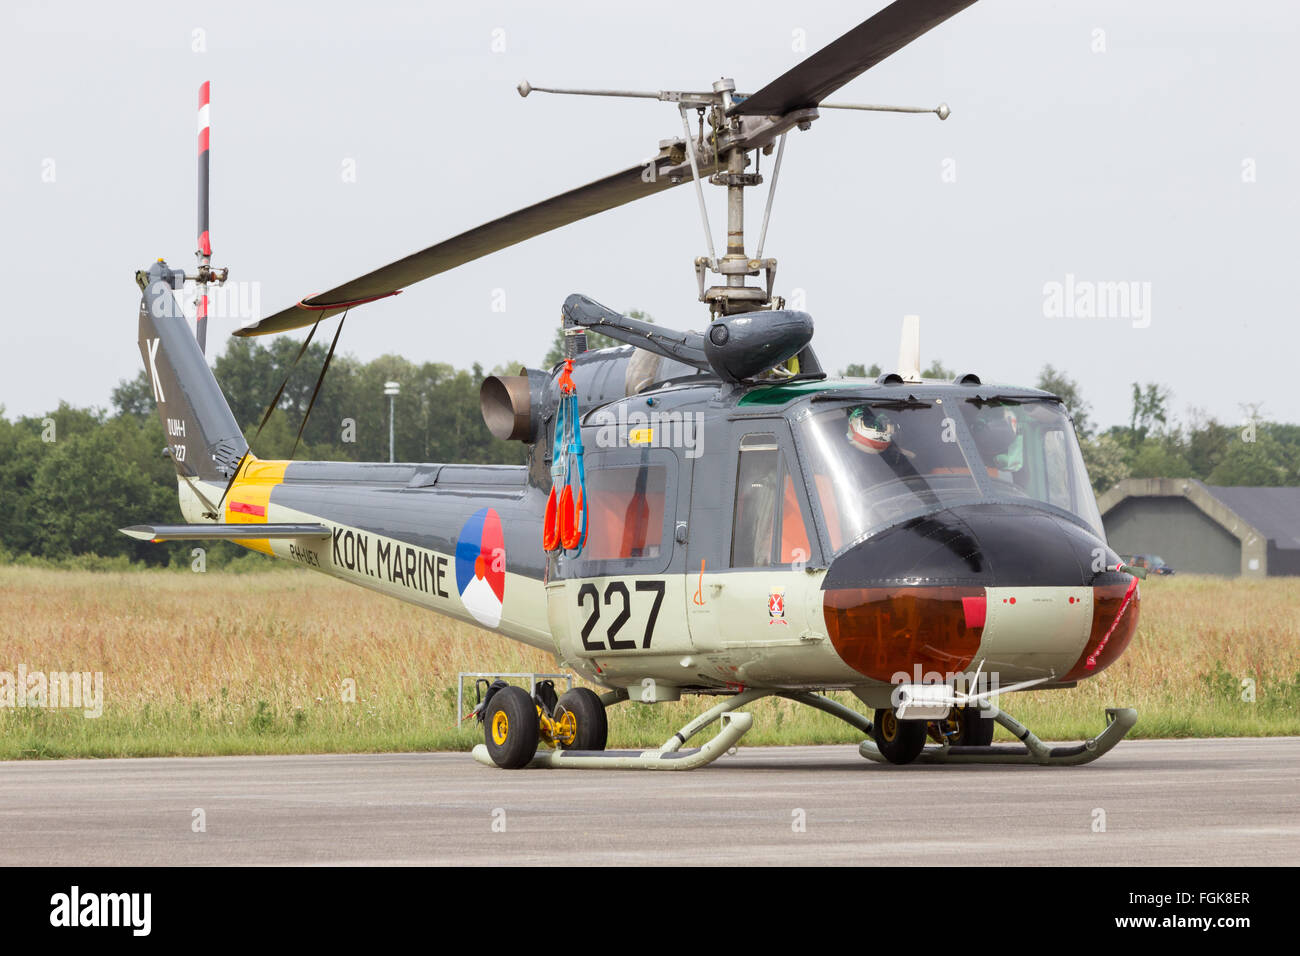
(511, 404)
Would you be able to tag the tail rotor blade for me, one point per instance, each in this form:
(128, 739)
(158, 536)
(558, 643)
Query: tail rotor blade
(204, 252)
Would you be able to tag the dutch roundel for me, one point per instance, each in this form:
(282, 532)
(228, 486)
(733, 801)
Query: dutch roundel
(481, 566)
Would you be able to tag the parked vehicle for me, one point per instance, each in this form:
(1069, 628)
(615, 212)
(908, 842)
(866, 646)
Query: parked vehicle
(1152, 562)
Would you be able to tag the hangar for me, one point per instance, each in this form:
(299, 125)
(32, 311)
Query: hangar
(1205, 529)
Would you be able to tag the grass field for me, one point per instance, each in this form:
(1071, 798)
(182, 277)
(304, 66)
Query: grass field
(223, 663)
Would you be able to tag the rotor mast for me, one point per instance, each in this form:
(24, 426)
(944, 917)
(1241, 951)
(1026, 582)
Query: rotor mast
(726, 136)
(735, 296)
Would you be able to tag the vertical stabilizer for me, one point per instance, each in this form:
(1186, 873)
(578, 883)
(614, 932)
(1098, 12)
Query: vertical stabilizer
(203, 438)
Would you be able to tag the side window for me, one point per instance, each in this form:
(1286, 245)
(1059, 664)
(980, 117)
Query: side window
(769, 526)
(625, 518)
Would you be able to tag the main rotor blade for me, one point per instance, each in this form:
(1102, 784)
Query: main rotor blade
(850, 56)
(596, 197)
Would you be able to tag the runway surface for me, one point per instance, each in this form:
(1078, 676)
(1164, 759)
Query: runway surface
(1184, 802)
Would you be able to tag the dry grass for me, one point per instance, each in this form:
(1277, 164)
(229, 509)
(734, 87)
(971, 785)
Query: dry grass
(257, 663)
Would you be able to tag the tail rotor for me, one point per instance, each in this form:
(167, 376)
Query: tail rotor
(205, 273)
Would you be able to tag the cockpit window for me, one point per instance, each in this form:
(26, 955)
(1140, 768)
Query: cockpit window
(1029, 450)
(869, 465)
(769, 528)
(872, 463)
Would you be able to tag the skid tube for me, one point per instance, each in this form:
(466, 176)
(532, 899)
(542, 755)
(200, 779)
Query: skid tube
(670, 755)
(1119, 721)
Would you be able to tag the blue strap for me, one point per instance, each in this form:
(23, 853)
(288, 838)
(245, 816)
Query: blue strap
(567, 457)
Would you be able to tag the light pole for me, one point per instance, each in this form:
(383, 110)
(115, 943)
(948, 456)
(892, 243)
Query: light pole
(391, 389)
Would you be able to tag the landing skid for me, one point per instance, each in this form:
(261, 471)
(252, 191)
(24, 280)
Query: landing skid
(733, 726)
(1119, 721)
(669, 756)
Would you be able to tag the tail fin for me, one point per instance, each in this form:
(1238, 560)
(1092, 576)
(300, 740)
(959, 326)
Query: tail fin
(202, 435)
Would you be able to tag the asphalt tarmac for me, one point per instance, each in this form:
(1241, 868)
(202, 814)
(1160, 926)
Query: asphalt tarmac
(1177, 802)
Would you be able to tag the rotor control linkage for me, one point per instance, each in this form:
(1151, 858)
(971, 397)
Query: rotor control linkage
(942, 111)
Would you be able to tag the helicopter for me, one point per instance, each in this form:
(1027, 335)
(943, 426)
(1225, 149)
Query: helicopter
(705, 513)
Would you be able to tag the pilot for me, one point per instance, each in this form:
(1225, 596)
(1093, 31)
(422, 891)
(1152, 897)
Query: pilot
(869, 432)
(997, 435)
(873, 433)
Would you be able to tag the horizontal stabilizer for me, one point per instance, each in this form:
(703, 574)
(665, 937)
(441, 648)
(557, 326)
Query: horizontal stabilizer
(223, 532)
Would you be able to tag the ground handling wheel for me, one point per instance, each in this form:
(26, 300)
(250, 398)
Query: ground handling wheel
(510, 727)
(580, 717)
(964, 727)
(899, 741)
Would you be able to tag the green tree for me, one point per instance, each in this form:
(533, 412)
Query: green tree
(134, 396)
(938, 370)
(91, 483)
(1150, 412)
(1204, 444)
(1261, 461)
(1106, 461)
(1158, 457)
(595, 340)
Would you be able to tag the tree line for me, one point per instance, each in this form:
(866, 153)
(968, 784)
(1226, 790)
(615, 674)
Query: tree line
(70, 478)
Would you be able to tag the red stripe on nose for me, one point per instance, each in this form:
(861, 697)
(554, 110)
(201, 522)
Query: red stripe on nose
(975, 609)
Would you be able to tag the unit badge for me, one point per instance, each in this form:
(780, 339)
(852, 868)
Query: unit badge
(776, 607)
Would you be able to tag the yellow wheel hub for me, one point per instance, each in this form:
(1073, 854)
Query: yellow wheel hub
(566, 729)
(500, 727)
(889, 726)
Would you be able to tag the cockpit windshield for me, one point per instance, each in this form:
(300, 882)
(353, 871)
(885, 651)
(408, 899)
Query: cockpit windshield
(871, 464)
(1029, 450)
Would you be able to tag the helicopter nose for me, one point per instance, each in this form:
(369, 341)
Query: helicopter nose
(976, 545)
(1021, 589)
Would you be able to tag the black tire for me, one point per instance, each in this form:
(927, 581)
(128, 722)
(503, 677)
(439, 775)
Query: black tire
(966, 728)
(592, 728)
(898, 740)
(510, 728)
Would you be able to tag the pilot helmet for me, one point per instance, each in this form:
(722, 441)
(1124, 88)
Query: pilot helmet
(868, 432)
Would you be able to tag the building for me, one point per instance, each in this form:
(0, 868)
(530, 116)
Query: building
(1205, 529)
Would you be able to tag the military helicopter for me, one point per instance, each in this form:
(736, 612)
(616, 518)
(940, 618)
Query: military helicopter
(701, 513)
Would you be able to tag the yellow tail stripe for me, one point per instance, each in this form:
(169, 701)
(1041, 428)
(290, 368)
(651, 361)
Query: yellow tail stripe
(249, 499)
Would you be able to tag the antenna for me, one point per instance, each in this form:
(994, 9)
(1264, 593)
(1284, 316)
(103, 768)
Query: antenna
(206, 273)
(909, 349)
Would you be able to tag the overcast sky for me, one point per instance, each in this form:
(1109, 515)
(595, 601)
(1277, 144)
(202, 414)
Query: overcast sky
(1152, 144)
